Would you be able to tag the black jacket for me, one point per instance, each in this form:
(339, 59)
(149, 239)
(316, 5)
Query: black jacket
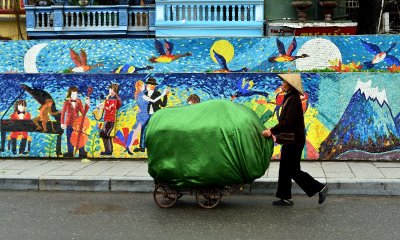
(291, 118)
(162, 102)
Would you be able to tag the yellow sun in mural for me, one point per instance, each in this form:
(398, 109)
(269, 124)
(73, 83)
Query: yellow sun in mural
(223, 48)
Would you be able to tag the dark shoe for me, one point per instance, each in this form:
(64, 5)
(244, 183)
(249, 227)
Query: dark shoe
(283, 202)
(67, 155)
(106, 153)
(83, 155)
(128, 151)
(322, 194)
(139, 150)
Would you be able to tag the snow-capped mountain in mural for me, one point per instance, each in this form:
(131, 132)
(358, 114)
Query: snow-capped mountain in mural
(366, 126)
(397, 122)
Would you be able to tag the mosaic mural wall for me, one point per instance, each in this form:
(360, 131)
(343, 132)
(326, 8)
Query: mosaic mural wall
(351, 106)
(347, 116)
(276, 54)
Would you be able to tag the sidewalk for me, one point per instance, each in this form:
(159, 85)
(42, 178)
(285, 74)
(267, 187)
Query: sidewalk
(372, 178)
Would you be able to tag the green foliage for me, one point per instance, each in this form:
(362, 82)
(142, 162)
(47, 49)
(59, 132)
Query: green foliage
(94, 141)
(50, 140)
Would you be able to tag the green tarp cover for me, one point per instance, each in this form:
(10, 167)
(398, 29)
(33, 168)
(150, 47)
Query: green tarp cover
(214, 143)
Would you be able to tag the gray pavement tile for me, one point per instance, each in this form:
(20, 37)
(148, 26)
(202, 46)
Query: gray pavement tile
(94, 169)
(272, 170)
(119, 170)
(337, 175)
(273, 173)
(59, 173)
(43, 168)
(26, 164)
(51, 164)
(7, 163)
(391, 172)
(310, 164)
(314, 172)
(131, 164)
(387, 164)
(140, 171)
(341, 167)
(74, 165)
(365, 170)
(313, 168)
(7, 172)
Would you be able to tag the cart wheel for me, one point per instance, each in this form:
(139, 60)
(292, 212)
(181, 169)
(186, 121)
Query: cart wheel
(208, 197)
(165, 196)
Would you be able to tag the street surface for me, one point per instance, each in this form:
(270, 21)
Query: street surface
(87, 215)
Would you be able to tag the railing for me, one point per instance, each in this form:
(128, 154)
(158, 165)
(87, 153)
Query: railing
(8, 6)
(209, 13)
(90, 20)
(209, 18)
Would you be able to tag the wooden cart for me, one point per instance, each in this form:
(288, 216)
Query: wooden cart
(165, 195)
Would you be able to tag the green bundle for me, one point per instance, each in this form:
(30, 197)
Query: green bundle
(214, 143)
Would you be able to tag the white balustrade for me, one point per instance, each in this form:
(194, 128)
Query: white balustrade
(205, 18)
(94, 19)
(44, 20)
(210, 12)
(138, 20)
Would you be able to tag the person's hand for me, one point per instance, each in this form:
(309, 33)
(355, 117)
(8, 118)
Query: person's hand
(267, 133)
(64, 126)
(87, 101)
(166, 91)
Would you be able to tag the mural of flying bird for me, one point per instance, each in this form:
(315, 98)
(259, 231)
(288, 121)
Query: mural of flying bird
(128, 68)
(80, 61)
(244, 88)
(165, 52)
(379, 55)
(285, 56)
(222, 63)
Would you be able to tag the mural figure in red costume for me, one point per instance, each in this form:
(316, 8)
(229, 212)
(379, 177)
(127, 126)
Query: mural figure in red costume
(111, 105)
(19, 113)
(70, 112)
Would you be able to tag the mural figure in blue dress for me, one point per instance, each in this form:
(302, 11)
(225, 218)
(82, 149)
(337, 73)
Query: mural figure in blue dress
(142, 116)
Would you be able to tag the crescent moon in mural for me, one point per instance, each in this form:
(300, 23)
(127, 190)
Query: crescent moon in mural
(30, 58)
(320, 52)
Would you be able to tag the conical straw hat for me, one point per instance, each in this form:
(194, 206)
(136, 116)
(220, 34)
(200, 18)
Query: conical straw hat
(294, 80)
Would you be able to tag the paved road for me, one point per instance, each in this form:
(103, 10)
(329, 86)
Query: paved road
(79, 215)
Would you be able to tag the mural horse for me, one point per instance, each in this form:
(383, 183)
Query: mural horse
(54, 127)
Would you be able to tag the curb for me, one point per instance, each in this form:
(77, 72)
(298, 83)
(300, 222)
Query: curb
(131, 184)
(90, 184)
(378, 187)
(19, 183)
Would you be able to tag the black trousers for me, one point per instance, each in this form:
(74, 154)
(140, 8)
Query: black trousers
(22, 145)
(105, 134)
(289, 168)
